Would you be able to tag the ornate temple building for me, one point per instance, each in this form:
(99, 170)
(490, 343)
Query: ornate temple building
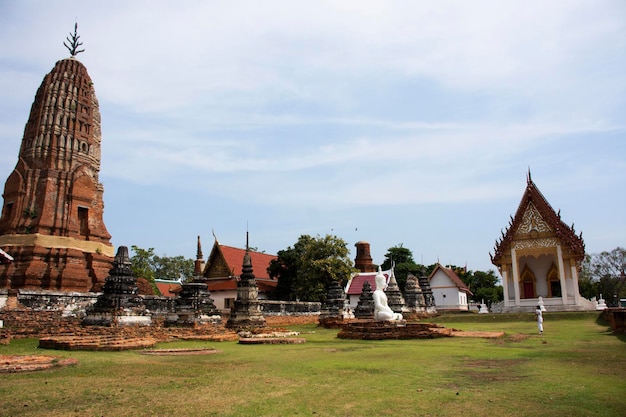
(539, 258)
(51, 222)
(223, 270)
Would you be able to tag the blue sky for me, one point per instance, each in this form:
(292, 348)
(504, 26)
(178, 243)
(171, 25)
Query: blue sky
(393, 122)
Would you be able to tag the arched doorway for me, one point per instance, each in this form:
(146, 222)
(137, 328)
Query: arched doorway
(554, 283)
(527, 283)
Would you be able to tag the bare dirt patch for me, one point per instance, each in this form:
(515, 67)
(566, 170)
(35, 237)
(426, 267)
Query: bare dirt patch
(484, 335)
(17, 363)
(519, 337)
(96, 343)
(271, 340)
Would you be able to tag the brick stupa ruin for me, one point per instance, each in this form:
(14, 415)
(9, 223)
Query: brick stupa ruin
(51, 221)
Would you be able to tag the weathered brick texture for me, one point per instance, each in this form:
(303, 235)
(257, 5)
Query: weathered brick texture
(52, 216)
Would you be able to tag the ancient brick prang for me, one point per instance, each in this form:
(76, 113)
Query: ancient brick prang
(363, 261)
(51, 219)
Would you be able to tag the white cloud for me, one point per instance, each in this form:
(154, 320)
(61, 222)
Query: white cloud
(338, 104)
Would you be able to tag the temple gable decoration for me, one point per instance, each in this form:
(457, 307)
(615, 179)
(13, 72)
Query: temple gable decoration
(538, 257)
(532, 222)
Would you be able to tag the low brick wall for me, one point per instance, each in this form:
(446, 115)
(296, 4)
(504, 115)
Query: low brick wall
(25, 323)
(76, 304)
(290, 308)
(617, 318)
(381, 330)
(26, 313)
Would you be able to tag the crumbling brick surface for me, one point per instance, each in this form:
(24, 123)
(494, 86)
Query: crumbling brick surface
(380, 330)
(25, 323)
(290, 320)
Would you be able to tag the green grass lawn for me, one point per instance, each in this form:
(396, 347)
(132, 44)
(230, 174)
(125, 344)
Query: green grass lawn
(577, 368)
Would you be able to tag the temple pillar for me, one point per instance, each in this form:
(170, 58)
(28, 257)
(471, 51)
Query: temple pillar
(505, 286)
(515, 277)
(559, 256)
(574, 273)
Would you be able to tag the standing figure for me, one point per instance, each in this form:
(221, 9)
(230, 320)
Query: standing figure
(382, 311)
(539, 316)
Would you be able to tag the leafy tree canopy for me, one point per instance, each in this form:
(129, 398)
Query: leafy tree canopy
(305, 271)
(483, 285)
(145, 263)
(401, 259)
(602, 274)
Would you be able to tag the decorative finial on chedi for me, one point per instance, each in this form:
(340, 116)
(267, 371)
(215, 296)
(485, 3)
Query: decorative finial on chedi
(74, 44)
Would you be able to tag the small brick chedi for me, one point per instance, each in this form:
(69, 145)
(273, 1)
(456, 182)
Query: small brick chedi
(246, 312)
(51, 221)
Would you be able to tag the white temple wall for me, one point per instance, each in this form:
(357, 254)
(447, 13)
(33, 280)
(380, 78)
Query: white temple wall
(442, 286)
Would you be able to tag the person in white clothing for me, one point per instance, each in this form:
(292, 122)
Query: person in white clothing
(539, 316)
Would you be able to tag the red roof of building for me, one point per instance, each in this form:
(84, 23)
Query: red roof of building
(355, 286)
(228, 258)
(168, 288)
(230, 284)
(226, 284)
(234, 259)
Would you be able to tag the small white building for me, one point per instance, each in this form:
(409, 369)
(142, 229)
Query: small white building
(449, 290)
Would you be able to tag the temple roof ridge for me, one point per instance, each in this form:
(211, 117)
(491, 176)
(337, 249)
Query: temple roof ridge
(532, 195)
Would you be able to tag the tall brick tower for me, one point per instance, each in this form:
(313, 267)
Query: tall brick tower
(51, 221)
(363, 260)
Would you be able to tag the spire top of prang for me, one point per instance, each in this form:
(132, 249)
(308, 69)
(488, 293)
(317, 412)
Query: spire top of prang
(74, 42)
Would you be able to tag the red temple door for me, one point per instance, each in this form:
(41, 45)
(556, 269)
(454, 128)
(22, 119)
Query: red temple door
(529, 291)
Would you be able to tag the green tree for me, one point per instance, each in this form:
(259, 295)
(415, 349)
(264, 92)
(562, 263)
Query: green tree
(142, 263)
(587, 286)
(603, 274)
(306, 271)
(484, 285)
(173, 267)
(146, 264)
(401, 259)
(285, 268)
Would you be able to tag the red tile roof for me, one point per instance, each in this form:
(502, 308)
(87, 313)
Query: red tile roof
(168, 288)
(227, 284)
(234, 258)
(355, 286)
(230, 284)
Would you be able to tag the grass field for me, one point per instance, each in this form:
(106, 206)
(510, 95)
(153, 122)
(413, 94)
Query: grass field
(576, 368)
